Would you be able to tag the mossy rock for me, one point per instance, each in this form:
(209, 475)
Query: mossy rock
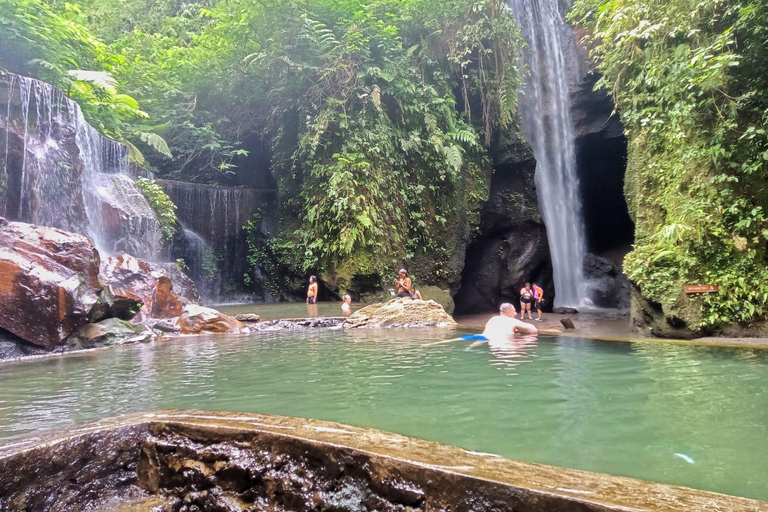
(439, 295)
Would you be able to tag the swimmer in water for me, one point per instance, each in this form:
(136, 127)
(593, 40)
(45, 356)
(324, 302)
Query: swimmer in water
(346, 304)
(506, 325)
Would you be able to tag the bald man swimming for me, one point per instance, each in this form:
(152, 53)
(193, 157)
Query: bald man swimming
(507, 325)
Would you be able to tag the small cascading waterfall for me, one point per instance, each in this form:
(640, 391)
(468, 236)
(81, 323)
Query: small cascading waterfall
(545, 110)
(59, 171)
(213, 242)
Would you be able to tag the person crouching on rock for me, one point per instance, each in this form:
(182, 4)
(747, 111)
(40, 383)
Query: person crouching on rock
(312, 290)
(403, 284)
(506, 325)
(526, 298)
(415, 294)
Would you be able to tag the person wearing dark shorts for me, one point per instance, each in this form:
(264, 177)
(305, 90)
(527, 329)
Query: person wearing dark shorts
(538, 300)
(403, 283)
(526, 299)
(312, 290)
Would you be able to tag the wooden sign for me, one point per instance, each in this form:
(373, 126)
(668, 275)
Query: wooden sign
(701, 288)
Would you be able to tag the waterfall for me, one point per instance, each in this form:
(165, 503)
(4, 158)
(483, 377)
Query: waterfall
(59, 171)
(545, 110)
(213, 242)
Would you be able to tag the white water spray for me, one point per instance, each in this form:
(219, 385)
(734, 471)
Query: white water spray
(545, 109)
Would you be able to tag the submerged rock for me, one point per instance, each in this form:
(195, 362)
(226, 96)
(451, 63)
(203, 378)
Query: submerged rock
(48, 282)
(199, 320)
(401, 312)
(565, 311)
(288, 324)
(127, 277)
(248, 318)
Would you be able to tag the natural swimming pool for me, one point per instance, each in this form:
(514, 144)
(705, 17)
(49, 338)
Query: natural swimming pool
(680, 414)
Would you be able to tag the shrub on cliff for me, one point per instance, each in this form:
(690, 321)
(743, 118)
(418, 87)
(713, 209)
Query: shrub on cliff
(690, 78)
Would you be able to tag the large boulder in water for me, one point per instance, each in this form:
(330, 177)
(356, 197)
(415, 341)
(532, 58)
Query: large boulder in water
(199, 320)
(126, 277)
(48, 282)
(401, 312)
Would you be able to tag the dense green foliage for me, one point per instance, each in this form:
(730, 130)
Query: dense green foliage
(50, 44)
(373, 115)
(690, 78)
(164, 208)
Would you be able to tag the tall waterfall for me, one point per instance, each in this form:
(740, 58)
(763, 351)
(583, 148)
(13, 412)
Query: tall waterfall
(545, 109)
(59, 171)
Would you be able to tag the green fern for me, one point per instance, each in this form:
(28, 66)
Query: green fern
(454, 157)
(135, 155)
(157, 143)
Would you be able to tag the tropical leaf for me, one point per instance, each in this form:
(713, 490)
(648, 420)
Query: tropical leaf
(135, 155)
(157, 143)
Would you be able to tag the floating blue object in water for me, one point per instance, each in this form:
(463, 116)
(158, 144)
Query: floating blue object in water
(685, 457)
(474, 337)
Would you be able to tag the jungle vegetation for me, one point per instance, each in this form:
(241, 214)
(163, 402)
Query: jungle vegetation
(374, 115)
(690, 79)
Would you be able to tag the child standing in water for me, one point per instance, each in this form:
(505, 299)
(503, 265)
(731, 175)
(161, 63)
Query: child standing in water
(346, 306)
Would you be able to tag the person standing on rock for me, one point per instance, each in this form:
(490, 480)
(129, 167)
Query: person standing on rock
(403, 284)
(538, 300)
(312, 290)
(506, 325)
(526, 299)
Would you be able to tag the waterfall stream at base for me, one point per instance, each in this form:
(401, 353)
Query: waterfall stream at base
(545, 109)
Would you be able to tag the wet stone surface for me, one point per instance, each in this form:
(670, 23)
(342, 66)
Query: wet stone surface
(203, 461)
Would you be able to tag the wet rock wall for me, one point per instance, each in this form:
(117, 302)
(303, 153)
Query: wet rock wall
(212, 241)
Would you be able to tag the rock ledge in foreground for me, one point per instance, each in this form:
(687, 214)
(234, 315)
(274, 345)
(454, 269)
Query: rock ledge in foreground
(401, 312)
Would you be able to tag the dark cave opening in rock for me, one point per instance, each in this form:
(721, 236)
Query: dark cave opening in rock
(511, 247)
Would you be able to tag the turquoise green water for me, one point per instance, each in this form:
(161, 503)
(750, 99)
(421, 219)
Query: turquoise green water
(687, 415)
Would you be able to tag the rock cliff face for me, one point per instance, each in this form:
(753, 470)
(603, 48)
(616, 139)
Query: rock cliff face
(57, 170)
(511, 247)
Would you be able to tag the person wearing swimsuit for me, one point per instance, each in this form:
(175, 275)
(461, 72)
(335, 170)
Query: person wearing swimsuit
(312, 290)
(526, 298)
(538, 300)
(404, 284)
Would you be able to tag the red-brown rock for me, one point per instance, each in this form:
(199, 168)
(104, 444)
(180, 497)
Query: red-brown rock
(48, 282)
(200, 320)
(134, 278)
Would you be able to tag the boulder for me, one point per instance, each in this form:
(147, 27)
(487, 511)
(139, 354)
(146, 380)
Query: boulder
(439, 295)
(112, 331)
(565, 311)
(13, 347)
(401, 312)
(199, 320)
(183, 286)
(567, 323)
(607, 286)
(48, 282)
(127, 277)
